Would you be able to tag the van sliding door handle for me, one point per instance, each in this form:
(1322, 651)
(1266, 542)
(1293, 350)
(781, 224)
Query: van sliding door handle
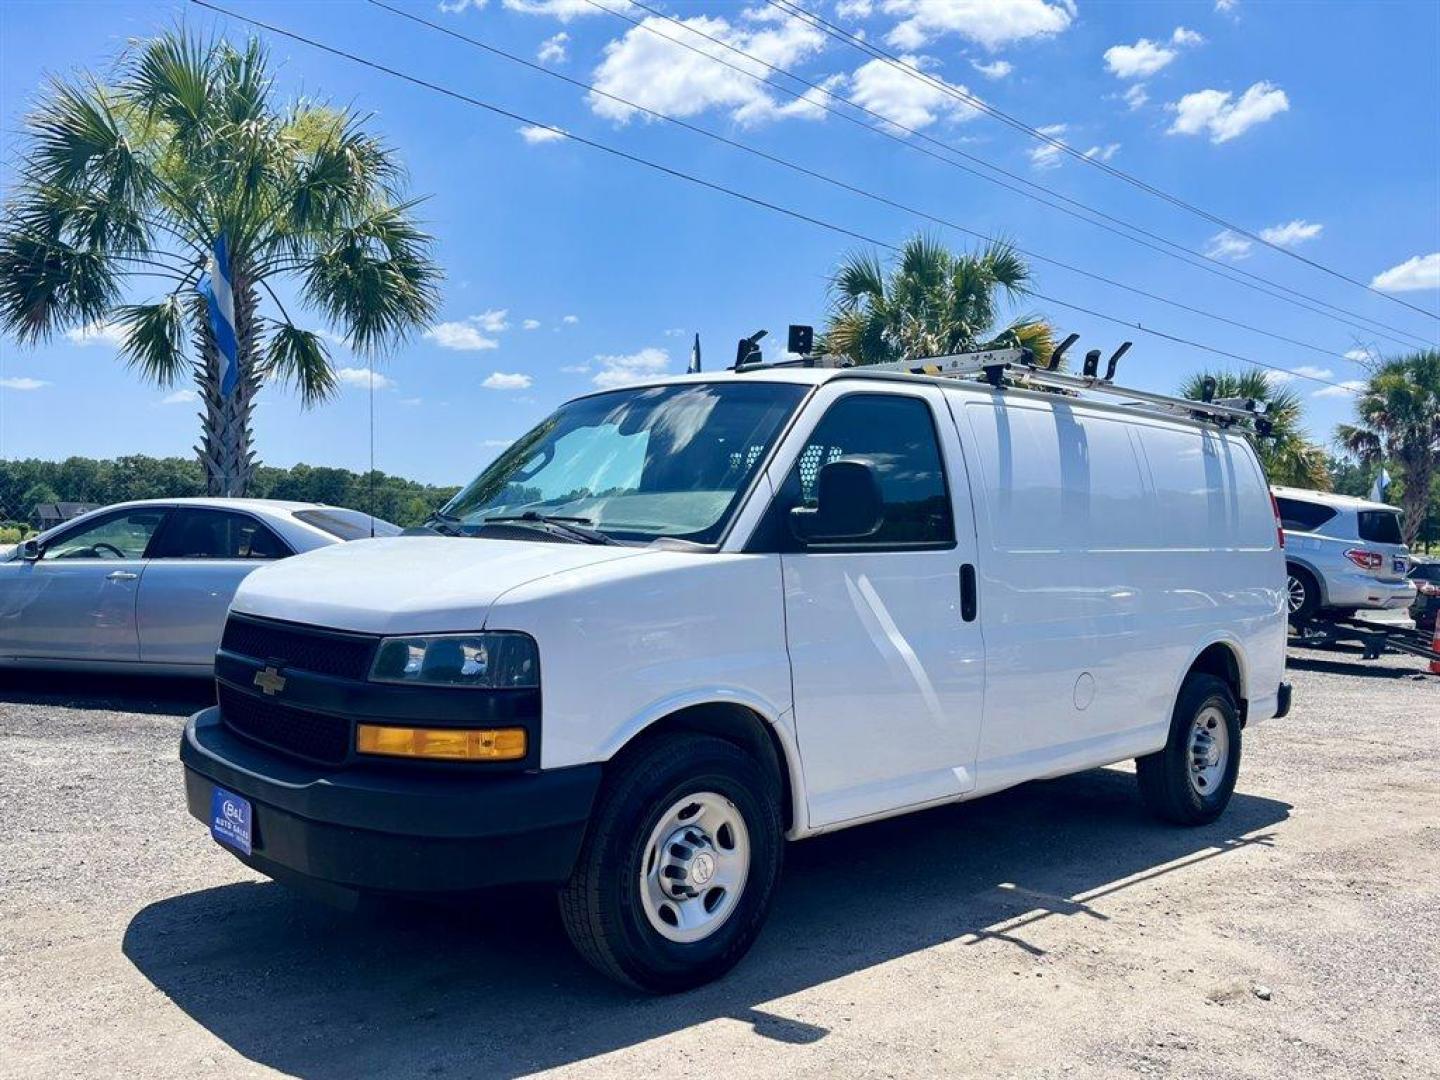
(967, 592)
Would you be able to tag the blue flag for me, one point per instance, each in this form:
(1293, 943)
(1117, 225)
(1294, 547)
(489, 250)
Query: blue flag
(214, 285)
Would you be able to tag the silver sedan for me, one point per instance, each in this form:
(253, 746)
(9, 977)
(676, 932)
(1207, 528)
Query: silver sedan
(144, 586)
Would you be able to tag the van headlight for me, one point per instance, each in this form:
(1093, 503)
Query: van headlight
(491, 661)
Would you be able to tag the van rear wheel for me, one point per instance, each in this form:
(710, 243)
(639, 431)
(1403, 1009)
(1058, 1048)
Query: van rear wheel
(678, 870)
(1191, 780)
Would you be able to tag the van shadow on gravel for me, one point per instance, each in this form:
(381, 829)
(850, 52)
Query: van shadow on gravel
(492, 989)
(151, 694)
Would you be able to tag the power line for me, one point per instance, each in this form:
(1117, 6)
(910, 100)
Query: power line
(1183, 254)
(699, 181)
(795, 11)
(842, 185)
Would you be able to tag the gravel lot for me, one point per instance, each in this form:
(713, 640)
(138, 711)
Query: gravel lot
(1053, 930)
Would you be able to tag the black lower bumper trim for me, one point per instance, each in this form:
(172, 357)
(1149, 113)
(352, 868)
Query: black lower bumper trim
(388, 829)
(1282, 701)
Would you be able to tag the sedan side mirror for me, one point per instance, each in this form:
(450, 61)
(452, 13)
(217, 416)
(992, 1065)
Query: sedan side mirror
(848, 505)
(30, 550)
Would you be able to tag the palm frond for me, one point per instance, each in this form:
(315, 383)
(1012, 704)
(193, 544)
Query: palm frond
(155, 339)
(47, 284)
(300, 358)
(860, 276)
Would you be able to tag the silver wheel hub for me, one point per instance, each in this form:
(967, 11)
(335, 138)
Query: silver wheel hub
(694, 867)
(1209, 750)
(1297, 594)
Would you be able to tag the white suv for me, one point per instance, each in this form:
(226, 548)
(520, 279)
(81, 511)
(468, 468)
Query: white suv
(680, 623)
(1342, 554)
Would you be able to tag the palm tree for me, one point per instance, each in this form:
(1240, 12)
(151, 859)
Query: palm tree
(930, 302)
(134, 180)
(1399, 421)
(1287, 456)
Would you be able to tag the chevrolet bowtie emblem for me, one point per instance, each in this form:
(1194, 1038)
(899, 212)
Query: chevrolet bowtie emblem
(270, 681)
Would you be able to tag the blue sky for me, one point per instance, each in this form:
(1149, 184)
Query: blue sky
(568, 268)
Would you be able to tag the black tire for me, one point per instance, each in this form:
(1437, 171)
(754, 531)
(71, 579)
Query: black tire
(1300, 580)
(601, 904)
(1165, 776)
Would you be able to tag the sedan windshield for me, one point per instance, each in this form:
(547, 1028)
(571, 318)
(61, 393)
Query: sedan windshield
(635, 464)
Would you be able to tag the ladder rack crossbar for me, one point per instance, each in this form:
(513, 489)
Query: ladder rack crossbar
(995, 365)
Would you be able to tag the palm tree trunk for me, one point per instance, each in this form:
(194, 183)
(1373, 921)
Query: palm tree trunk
(225, 449)
(1419, 464)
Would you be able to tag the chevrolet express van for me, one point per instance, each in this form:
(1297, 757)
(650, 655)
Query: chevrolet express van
(681, 623)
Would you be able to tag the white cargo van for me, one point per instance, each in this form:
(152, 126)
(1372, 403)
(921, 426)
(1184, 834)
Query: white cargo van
(680, 623)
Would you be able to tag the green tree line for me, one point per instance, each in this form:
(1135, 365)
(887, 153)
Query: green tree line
(26, 483)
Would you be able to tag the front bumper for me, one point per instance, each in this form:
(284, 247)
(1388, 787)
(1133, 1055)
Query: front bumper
(387, 828)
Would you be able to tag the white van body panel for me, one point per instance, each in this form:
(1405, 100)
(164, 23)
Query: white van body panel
(1114, 549)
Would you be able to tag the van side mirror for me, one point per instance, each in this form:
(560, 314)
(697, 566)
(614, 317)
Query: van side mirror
(30, 550)
(848, 505)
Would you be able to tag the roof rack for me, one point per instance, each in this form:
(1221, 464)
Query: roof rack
(1017, 367)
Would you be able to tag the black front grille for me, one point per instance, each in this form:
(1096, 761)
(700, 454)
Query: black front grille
(313, 735)
(325, 652)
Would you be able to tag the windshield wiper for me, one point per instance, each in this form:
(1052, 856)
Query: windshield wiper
(443, 523)
(564, 525)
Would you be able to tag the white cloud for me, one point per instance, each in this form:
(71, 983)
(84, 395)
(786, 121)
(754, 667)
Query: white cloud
(1186, 38)
(633, 367)
(503, 380)
(576, 369)
(1136, 96)
(410, 401)
(1304, 371)
(1226, 7)
(901, 98)
(988, 23)
(552, 49)
(496, 444)
(180, 397)
(564, 10)
(1103, 153)
(1362, 355)
(360, 377)
(676, 331)
(644, 67)
(111, 334)
(1047, 155)
(1228, 245)
(455, 7)
(1138, 61)
(535, 134)
(530, 324)
(1344, 389)
(1421, 272)
(1213, 111)
(855, 9)
(21, 382)
(997, 69)
(1292, 232)
(467, 336)
(570, 320)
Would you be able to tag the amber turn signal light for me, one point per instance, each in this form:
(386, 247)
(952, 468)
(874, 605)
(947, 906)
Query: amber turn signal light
(445, 744)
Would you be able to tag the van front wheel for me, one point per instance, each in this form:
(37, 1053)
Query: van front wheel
(1191, 780)
(679, 867)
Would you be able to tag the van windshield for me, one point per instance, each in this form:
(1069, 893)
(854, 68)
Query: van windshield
(636, 464)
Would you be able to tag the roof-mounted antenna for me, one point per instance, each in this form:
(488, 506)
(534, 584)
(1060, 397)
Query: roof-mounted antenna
(1092, 363)
(1058, 352)
(801, 339)
(1115, 360)
(1208, 387)
(748, 350)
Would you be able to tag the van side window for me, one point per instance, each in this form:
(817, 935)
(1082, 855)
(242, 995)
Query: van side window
(1298, 516)
(896, 434)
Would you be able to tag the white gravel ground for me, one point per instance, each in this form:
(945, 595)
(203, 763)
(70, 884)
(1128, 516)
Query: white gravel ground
(1051, 931)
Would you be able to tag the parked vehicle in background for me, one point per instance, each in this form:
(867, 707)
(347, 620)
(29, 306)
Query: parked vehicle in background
(679, 623)
(144, 586)
(1426, 576)
(1342, 554)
